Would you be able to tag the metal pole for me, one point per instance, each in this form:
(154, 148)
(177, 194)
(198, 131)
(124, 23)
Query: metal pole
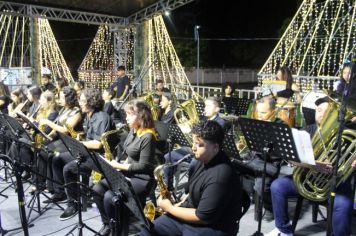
(196, 36)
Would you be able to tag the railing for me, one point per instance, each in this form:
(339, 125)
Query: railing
(207, 91)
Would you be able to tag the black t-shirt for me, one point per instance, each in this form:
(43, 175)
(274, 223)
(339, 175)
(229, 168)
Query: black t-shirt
(140, 151)
(167, 118)
(119, 85)
(99, 123)
(108, 108)
(215, 192)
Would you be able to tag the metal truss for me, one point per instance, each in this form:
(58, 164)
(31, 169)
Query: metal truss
(156, 9)
(19, 9)
(50, 13)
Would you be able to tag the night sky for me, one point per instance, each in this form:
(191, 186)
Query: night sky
(228, 33)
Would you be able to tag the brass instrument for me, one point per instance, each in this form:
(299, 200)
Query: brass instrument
(314, 185)
(154, 107)
(186, 116)
(96, 176)
(150, 210)
(72, 132)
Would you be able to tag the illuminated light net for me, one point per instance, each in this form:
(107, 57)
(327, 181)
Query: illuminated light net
(316, 44)
(164, 61)
(99, 65)
(52, 57)
(15, 46)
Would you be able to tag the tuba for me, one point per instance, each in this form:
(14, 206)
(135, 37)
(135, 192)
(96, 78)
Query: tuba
(314, 185)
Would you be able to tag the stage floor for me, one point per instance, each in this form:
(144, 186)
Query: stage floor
(49, 224)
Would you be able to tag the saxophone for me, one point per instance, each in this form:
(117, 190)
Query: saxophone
(150, 210)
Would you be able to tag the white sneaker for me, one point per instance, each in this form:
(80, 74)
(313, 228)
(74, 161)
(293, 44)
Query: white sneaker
(276, 232)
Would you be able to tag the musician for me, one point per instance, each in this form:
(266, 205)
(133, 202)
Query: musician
(121, 84)
(18, 102)
(33, 95)
(60, 84)
(64, 166)
(265, 110)
(47, 110)
(47, 84)
(344, 80)
(69, 116)
(139, 148)
(211, 112)
(79, 87)
(284, 74)
(5, 99)
(227, 99)
(167, 105)
(108, 95)
(283, 188)
(214, 202)
(160, 89)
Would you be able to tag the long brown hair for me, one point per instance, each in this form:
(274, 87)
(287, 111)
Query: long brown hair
(143, 111)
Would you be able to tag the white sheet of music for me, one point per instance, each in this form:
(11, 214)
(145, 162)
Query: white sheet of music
(304, 146)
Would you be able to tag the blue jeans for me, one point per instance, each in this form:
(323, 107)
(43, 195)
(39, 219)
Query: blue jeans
(167, 225)
(283, 188)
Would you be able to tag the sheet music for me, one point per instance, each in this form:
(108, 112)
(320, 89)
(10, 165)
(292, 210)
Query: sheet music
(304, 146)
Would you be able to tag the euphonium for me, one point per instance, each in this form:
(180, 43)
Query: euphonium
(314, 185)
(186, 116)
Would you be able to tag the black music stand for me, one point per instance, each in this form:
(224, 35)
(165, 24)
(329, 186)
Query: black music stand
(5, 132)
(81, 153)
(15, 132)
(177, 136)
(267, 137)
(242, 106)
(125, 198)
(36, 196)
(230, 105)
(199, 106)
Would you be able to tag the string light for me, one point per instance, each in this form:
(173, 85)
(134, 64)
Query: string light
(315, 44)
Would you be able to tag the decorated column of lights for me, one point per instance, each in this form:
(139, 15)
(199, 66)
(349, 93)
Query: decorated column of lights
(316, 43)
(98, 67)
(165, 62)
(51, 54)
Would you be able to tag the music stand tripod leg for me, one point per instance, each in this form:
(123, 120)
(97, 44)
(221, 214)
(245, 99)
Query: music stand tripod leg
(80, 225)
(266, 152)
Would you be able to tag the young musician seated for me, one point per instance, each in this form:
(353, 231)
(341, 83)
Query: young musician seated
(18, 98)
(47, 84)
(214, 202)
(46, 110)
(228, 99)
(167, 106)
(160, 89)
(108, 94)
(69, 117)
(33, 95)
(64, 166)
(139, 148)
(211, 112)
(283, 188)
(79, 86)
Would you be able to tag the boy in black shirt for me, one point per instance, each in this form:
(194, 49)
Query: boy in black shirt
(214, 202)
